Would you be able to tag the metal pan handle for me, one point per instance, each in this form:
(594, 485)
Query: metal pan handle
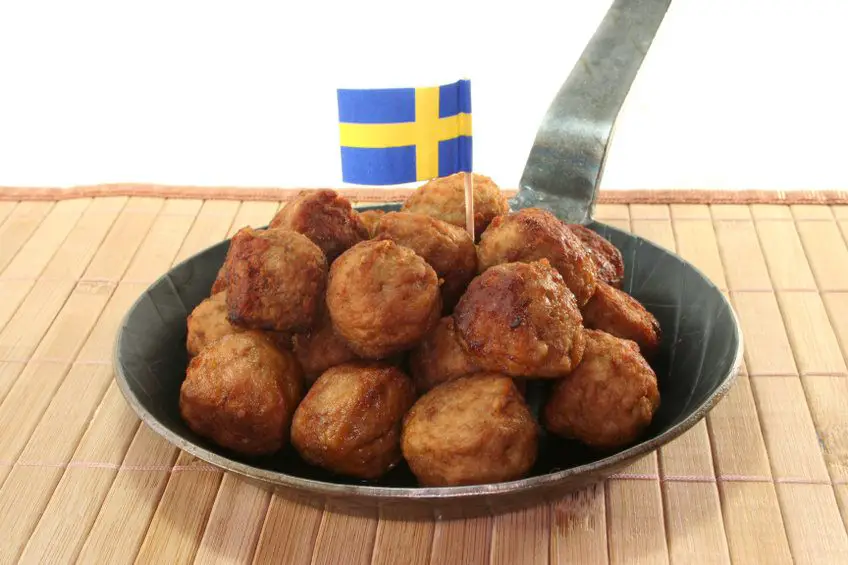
(565, 165)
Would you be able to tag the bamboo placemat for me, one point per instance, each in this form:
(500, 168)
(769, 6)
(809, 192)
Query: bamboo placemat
(764, 479)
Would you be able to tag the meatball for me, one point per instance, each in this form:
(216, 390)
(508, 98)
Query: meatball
(221, 279)
(447, 248)
(444, 198)
(617, 313)
(473, 430)
(208, 322)
(241, 392)
(371, 218)
(321, 348)
(521, 319)
(609, 400)
(382, 298)
(350, 420)
(276, 280)
(324, 217)
(440, 357)
(531, 234)
(606, 256)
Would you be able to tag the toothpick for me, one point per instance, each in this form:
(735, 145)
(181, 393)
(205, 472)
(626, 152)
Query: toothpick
(469, 204)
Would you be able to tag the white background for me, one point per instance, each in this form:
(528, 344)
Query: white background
(734, 93)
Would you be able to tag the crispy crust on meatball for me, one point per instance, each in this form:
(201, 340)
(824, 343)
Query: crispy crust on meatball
(617, 313)
(447, 248)
(473, 430)
(276, 280)
(440, 357)
(371, 218)
(520, 319)
(383, 298)
(326, 218)
(609, 400)
(444, 198)
(320, 348)
(350, 420)
(220, 283)
(208, 322)
(531, 234)
(222, 278)
(605, 255)
(283, 340)
(241, 392)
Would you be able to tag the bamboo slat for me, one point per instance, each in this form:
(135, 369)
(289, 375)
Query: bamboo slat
(187, 501)
(18, 226)
(825, 249)
(5, 210)
(785, 256)
(290, 529)
(813, 341)
(815, 534)
(828, 397)
(462, 541)
(522, 537)
(743, 262)
(400, 540)
(212, 214)
(354, 530)
(578, 528)
(253, 214)
(234, 523)
(742, 459)
(837, 311)
(60, 345)
(785, 415)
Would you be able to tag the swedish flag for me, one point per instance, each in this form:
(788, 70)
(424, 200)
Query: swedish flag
(400, 135)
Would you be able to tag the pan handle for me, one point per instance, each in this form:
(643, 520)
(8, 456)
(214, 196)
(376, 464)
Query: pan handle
(565, 165)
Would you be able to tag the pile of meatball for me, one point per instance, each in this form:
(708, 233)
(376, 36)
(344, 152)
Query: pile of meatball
(367, 339)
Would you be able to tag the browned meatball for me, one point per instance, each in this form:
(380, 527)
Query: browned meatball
(521, 319)
(371, 218)
(605, 255)
(320, 348)
(617, 313)
(447, 248)
(440, 357)
(208, 322)
(531, 234)
(326, 218)
(221, 279)
(382, 298)
(444, 198)
(241, 392)
(276, 280)
(473, 430)
(350, 420)
(609, 400)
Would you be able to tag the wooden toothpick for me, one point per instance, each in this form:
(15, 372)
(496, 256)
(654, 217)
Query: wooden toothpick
(469, 204)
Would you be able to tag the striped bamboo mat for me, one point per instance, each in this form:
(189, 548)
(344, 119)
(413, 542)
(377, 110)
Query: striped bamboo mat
(764, 479)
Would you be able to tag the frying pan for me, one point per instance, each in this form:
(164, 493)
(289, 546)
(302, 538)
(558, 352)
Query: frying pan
(699, 358)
